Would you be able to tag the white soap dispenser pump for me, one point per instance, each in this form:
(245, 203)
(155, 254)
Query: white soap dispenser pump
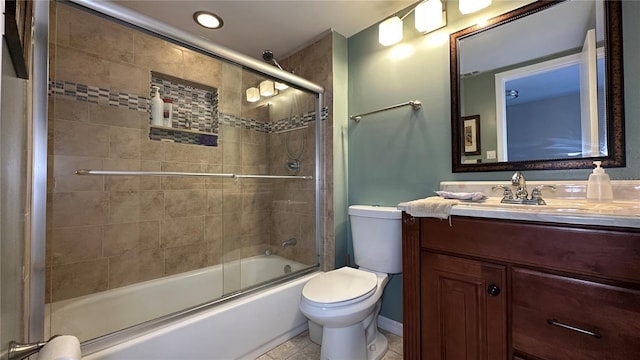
(157, 107)
(599, 185)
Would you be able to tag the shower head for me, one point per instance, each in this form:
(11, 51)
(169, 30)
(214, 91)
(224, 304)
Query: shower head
(267, 56)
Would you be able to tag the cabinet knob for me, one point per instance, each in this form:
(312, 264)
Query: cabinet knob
(493, 290)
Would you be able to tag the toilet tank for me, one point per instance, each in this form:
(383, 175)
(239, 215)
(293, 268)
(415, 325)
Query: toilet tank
(376, 232)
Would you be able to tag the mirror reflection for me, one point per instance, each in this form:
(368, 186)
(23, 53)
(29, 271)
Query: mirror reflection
(538, 88)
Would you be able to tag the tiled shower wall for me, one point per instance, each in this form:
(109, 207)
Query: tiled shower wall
(106, 232)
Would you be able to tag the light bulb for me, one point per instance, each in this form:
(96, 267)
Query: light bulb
(253, 94)
(428, 16)
(281, 86)
(390, 31)
(266, 88)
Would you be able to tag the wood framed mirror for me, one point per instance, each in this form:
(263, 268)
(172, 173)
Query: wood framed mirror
(513, 73)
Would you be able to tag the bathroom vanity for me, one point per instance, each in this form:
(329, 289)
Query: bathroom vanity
(490, 283)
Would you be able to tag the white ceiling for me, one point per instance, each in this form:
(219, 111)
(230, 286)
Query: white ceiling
(250, 27)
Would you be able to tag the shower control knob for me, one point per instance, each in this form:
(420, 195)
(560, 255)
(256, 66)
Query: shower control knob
(493, 290)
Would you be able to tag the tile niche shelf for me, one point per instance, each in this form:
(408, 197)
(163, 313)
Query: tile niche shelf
(193, 103)
(164, 133)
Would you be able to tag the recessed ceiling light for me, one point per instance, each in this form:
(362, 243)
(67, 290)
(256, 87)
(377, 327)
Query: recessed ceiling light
(208, 19)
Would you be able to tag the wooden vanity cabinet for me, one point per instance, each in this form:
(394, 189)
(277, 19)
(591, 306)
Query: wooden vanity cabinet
(493, 289)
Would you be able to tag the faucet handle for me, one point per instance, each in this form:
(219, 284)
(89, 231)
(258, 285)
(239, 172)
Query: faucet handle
(507, 193)
(536, 193)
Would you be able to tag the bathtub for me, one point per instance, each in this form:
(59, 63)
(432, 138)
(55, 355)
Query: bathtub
(234, 329)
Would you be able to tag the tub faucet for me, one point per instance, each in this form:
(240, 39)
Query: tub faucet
(289, 242)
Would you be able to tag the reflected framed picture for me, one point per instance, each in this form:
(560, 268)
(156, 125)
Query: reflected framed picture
(17, 29)
(471, 134)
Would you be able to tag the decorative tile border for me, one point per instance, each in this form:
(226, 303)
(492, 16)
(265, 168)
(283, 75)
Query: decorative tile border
(96, 95)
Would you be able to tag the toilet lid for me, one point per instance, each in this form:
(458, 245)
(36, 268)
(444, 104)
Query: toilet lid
(340, 285)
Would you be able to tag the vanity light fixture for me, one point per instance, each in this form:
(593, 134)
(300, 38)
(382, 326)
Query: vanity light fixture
(253, 94)
(470, 6)
(208, 19)
(266, 88)
(430, 15)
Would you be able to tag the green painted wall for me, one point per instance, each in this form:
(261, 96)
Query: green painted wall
(400, 155)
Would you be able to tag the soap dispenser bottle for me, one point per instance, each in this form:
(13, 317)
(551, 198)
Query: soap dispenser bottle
(599, 185)
(157, 107)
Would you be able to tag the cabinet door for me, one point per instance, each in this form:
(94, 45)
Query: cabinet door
(464, 309)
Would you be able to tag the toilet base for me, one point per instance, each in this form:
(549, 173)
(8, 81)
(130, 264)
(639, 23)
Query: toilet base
(380, 348)
(350, 343)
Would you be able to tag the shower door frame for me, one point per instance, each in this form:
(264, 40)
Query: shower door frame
(40, 108)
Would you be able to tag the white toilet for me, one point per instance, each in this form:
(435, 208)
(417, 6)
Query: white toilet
(342, 305)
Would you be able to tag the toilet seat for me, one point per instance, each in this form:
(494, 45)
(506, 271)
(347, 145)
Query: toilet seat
(340, 287)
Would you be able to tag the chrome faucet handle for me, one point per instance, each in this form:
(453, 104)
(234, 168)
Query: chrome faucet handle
(506, 191)
(536, 193)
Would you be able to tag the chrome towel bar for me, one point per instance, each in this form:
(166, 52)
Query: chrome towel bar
(415, 105)
(175, 173)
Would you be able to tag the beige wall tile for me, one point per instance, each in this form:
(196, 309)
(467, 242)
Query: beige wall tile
(158, 55)
(75, 244)
(213, 230)
(120, 238)
(82, 68)
(150, 149)
(175, 152)
(80, 139)
(71, 110)
(79, 279)
(101, 37)
(214, 202)
(149, 235)
(135, 266)
(202, 69)
(152, 205)
(182, 231)
(183, 203)
(115, 116)
(79, 208)
(124, 206)
(124, 143)
(129, 78)
(185, 258)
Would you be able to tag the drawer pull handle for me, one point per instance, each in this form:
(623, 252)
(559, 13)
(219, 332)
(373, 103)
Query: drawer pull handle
(566, 326)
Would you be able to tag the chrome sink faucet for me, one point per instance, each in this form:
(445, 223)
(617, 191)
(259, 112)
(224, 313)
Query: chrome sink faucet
(517, 179)
(521, 194)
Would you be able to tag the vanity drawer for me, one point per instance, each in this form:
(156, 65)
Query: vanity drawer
(561, 318)
(601, 252)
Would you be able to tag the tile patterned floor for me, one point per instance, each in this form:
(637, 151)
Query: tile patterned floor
(301, 348)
